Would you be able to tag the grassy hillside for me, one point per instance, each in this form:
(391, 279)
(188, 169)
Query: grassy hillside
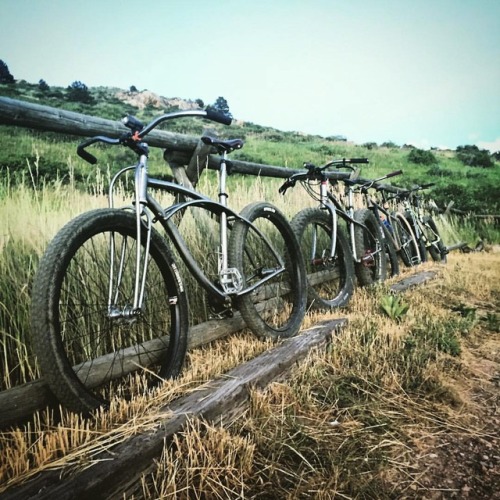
(53, 156)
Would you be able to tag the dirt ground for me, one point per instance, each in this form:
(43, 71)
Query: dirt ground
(465, 462)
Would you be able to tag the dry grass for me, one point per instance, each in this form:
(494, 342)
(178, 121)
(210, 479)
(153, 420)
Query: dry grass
(361, 419)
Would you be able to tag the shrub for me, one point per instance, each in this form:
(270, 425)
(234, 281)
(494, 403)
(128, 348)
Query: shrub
(472, 156)
(421, 157)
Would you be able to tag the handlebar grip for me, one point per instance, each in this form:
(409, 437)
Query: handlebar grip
(393, 174)
(80, 150)
(428, 185)
(359, 160)
(218, 117)
(132, 123)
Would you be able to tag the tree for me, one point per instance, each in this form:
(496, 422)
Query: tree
(133, 88)
(221, 106)
(472, 156)
(79, 92)
(43, 86)
(5, 76)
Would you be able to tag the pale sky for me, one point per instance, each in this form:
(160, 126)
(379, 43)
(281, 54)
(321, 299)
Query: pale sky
(424, 72)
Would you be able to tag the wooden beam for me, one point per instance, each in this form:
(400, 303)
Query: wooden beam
(36, 116)
(19, 403)
(411, 281)
(110, 473)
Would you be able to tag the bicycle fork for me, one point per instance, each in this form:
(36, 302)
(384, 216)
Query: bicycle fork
(333, 213)
(130, 312)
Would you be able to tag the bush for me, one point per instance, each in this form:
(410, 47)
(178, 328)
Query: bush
(437, 171)
(421, 157)
(472, 156)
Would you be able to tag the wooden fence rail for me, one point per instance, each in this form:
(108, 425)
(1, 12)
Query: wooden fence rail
(183, 150)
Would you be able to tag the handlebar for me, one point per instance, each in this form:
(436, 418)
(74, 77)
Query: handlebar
(317, 173)
(408, 192)
(138, 131)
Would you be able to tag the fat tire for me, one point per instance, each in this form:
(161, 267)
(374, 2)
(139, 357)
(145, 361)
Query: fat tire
(391, 255)
(438, 250)
(368, 241)
(338, 291)
(409, 251)
(70, 312)
(287, 318)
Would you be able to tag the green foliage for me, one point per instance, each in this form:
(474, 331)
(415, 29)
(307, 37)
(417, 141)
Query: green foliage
(421, 157)
(389, 144)
(5, 75)
(394, 307)
(472, 156)
(79, 92)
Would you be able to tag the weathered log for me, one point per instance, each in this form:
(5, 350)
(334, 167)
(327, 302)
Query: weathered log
(112, 472)
(180, 147)
(36, 116)
(20, 402)
(416, 279)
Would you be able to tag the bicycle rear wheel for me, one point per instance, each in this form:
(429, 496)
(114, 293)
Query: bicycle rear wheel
(372, 265)
(330, 279)
(86, 335)
(276, 307)
(408, 250)
(437, 249)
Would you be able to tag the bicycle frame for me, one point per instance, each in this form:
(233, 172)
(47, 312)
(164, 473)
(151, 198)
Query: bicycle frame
(327, 201)
(148, 208)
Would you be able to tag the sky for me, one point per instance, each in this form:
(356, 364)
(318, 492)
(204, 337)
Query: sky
(421, 72)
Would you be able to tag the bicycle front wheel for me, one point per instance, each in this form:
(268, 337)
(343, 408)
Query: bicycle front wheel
(330, 275)
(391, 255)
(371, 263)
(86, 334)
(264, 249)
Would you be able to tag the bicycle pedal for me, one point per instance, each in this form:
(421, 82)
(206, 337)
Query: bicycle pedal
(230, 280)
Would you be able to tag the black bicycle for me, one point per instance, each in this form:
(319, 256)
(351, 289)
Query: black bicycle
(332, 258)
(108, 298)
(423, 225)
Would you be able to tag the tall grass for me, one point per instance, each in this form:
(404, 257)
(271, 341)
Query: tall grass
(32, 212)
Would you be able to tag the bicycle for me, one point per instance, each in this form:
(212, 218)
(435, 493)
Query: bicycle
(108, 298)
(400, 240)
(333, 259)
(423, 226)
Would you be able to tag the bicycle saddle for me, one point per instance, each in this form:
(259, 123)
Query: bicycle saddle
(221, 146)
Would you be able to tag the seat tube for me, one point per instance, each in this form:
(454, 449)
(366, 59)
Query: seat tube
(223, 217)
(350, 211)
